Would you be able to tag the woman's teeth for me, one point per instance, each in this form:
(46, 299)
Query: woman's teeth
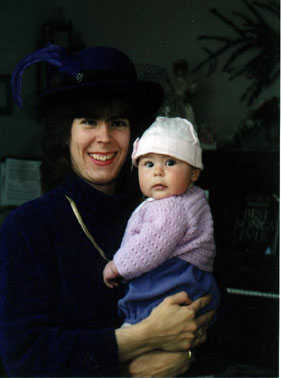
(102, 157)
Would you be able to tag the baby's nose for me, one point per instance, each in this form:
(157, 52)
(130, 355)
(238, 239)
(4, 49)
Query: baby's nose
(158, 170)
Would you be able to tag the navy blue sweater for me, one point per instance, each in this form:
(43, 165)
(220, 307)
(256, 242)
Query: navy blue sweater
(57, 317)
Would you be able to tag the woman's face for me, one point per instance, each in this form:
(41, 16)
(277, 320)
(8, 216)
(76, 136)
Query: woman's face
(98, 149)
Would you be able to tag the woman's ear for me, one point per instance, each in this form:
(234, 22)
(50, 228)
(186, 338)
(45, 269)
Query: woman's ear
(195, 173)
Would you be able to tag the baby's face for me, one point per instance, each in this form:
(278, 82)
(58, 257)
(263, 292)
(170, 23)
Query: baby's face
(162, 176)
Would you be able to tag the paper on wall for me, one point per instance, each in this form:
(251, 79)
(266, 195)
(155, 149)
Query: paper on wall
(20, 181)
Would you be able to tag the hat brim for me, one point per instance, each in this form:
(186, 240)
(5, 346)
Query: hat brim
(146, 92)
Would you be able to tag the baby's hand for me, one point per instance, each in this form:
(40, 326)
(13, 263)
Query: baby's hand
(111, 275)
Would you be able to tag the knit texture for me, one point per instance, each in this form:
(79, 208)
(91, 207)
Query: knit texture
(178, 226)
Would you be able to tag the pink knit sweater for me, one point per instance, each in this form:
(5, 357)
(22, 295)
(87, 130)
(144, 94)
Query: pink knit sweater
(179, 226)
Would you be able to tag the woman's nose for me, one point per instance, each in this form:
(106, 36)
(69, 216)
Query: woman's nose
(103, 133)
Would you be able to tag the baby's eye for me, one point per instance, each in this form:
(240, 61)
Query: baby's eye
(120, 122)
(148, 164)
(170, 162)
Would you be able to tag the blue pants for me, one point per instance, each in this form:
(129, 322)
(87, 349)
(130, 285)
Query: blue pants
(147, 291)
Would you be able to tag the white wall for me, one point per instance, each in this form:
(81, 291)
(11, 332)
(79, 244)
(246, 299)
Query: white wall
(157, 32)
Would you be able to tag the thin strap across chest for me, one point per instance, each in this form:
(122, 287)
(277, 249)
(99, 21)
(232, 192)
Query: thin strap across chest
(84, 227)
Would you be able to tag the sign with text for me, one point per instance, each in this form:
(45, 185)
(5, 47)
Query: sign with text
(256, 225)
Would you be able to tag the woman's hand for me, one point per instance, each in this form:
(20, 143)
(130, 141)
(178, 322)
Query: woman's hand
(172, 326)
(159, 364)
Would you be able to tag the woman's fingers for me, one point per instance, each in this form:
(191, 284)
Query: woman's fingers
(180, 298)
(173, 325)
(204, 320)
(200, 303)
(199, 339)
(197, 325)
(202, 323)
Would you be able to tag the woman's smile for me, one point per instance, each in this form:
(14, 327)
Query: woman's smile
(102, 158)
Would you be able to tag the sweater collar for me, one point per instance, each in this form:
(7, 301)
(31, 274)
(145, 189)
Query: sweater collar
(87, 197)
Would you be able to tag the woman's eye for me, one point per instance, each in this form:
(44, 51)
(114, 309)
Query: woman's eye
(89, 122)
(170, 163)
(120, 123)
(148, 164)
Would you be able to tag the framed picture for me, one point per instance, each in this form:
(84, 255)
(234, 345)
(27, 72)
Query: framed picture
(5, 95)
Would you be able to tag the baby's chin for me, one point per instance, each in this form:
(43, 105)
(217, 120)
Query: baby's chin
(162, 195)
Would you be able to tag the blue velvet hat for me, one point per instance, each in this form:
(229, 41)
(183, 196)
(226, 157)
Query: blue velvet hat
(97, 67)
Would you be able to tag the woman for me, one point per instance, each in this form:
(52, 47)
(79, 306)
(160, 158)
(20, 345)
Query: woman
(57, 318)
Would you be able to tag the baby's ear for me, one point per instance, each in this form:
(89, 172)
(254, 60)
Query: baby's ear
(195, 173)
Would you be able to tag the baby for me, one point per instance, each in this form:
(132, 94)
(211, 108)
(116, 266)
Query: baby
(168, 245)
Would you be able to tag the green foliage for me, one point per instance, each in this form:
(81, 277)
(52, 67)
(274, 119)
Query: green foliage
(254, 37)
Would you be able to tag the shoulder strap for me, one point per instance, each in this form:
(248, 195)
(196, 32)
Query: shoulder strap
(84, 228)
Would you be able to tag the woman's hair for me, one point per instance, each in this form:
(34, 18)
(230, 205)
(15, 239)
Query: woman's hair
(57, 112)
